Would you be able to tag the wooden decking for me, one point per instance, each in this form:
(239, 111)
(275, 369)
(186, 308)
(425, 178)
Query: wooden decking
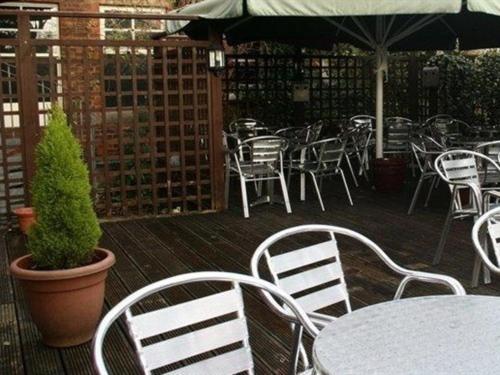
(151, 249)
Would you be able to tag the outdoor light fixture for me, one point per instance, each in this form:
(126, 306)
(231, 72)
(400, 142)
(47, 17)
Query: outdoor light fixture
(216, 59)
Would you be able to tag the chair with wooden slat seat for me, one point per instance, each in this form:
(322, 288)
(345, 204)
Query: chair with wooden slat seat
(207, 335)
(462, 171)
(313, 274)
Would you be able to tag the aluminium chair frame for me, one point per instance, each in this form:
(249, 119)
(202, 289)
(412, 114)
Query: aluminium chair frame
(480, 196)
(310, 278)
(295, 314)
(266, 158)
(489, 218)
(424, 159)
(320, 166)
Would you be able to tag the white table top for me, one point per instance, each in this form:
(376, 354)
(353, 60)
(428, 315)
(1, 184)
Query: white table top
(427, 335)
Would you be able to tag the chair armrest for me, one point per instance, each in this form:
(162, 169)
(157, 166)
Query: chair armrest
(432, 278)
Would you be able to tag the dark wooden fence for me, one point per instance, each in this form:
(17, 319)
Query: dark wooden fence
(147, 113)
(339, 86)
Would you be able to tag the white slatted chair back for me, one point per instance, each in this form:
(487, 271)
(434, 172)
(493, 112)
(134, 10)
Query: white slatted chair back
(492, 150)
(488, 224)
(266, 151)
(461, 169)
(329, 153)
(181, 347)
(397, 134)
(247, 128)
(313, 274)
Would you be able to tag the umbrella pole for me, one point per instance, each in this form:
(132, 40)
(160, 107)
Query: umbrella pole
(379, 103)
(379, 113)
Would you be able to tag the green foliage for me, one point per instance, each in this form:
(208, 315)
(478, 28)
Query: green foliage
(469, 86)
(67, 230)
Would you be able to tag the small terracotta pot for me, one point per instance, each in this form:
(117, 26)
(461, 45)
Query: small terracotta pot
(65, 304)
(26, 218)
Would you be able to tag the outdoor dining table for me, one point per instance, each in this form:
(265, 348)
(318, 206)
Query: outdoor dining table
(424, 335)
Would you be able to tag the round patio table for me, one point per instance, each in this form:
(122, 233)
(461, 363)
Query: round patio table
(426, 335)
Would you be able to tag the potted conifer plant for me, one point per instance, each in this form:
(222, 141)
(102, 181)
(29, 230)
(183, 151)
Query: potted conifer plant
(63, 276)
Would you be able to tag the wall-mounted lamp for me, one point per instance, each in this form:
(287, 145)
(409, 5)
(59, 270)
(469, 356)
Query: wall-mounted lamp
(216, 59)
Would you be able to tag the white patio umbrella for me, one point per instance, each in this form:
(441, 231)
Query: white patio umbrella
(378, 25)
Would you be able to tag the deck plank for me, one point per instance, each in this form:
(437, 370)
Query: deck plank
(148, 250)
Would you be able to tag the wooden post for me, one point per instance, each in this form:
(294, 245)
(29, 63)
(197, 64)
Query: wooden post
(413, 94)
(28, 102)
(217, 165)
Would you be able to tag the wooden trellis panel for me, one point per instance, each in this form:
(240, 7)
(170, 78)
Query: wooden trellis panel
(340, 87)
(142, 110)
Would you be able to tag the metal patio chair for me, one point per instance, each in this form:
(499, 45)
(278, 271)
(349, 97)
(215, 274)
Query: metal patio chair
(425, 150)
(486, 234)
(490, 177)
(319, 160)
(260, 159)
(461, 170)
(314, 275)
(358, 142)
(397, 135)
(244, 128)
(179, 341)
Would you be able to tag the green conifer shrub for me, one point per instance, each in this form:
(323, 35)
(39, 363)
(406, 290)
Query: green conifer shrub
(67, 230)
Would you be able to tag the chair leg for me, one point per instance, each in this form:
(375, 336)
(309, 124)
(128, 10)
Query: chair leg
(444, 234)
(318, 192)
(285, 193)
(346, 186)
(297, 351)
(302, 186)
(416, 193)
(476, 271)
(226, 187)
(486, 270)
(289, 176)
(352, 171)
(431, 189)
(244, 197)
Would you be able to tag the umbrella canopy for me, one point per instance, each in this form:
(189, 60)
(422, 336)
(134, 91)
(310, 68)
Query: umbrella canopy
(378, 25)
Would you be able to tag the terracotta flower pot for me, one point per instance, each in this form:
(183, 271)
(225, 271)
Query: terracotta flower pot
(389, 174)
(26, 218)
(65, 304)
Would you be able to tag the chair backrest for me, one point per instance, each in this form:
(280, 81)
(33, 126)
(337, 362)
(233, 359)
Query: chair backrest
(362, 120)
(312, 274)
(261, 150)
(425, 150)
(300, 270)
(314, 132)
(247, 128)
(489, 222)
(397, 134)
(458, 166)
(464, 167)
(492, 150)
(328, 153)
(294, 134)
(222, 342)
